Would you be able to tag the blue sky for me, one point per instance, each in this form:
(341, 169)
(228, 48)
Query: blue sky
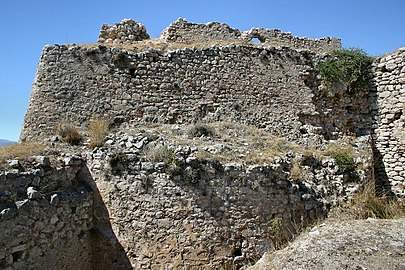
(377, 27)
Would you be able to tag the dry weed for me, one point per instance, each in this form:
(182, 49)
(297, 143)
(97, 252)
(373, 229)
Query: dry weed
(68, 133)
(98, 130)
(367, 204)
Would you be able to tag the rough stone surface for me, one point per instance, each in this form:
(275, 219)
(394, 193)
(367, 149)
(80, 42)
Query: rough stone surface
(36, 233)
(188, 212)
(269, 88)
(360, 244)
(186, 32)
(389, 72)
(125, 32)
(146, 201)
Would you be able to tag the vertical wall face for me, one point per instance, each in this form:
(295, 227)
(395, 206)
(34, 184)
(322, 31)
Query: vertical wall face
(45, 217)
(390, 133)
(266, 87)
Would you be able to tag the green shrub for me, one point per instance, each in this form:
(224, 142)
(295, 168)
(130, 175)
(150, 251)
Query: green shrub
(68, 133)
(343, 157)
(349, 67)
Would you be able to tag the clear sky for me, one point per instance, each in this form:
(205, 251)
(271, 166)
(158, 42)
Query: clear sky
(376, 26)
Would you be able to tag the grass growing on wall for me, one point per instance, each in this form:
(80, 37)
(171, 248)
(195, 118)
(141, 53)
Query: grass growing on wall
(348, 68)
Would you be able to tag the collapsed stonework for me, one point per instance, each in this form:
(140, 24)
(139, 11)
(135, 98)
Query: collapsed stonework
(188, 210)
(125, 32)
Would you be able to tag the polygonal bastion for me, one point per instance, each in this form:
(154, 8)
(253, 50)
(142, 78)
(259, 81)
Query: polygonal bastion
(122, 210)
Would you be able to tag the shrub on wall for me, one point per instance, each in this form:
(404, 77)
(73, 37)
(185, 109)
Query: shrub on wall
(347, 68)
(68, 133)
(343, 157)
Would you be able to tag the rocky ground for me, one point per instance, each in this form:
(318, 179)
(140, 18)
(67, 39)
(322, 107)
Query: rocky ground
(357, 244)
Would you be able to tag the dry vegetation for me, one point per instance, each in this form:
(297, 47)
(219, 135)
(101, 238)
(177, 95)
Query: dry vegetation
(165, 46)
(98, 130)
(68, 133)
(21, 151)
(228, 141)
(368, 204)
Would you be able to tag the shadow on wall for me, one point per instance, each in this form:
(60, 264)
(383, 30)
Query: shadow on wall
(107, 252)
(382, 184)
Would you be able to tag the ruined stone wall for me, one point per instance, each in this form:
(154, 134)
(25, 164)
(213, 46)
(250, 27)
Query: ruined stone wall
(275, 37)
(186, 32)
(268, 87)
(46, 215)
(389, 76)
(125, 32)
(186, 212)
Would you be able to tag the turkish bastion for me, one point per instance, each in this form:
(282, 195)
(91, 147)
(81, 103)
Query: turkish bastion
(154, 196)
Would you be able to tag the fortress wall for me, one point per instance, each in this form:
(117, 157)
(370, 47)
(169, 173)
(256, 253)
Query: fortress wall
(45, 216)
(270, 88)
(389, 76)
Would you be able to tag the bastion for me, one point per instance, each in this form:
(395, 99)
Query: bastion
(216, 145)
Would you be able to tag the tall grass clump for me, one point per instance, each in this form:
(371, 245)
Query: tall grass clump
(98, 130)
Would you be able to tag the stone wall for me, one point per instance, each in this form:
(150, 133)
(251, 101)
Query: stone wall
(275, 37)
(268, 87)
(52, 216)
(125, 32)
(389, 76)
(46, 215)
(179, 211)
(185, 32)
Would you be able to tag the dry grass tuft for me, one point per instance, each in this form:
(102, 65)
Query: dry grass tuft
(98, 130)
(368, 204)
(295, 172)
(21, 151)
(68, 133)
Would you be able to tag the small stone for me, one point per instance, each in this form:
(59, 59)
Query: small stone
(20, 204)
(33, 194)
(147, 166)
(42, 161)
(15, 164)
(54, 199)
(8, 213)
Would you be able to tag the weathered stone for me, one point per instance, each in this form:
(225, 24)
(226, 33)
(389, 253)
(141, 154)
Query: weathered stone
(33, 194)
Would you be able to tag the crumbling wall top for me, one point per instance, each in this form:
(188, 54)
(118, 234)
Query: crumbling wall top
(124, 32)
(183, 31)
(129, 31)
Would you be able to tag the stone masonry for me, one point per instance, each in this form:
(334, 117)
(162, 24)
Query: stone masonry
(389, 76)
(120, 209)
(273, 88)
(183, 31)
(125, 32)
(46, 215)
